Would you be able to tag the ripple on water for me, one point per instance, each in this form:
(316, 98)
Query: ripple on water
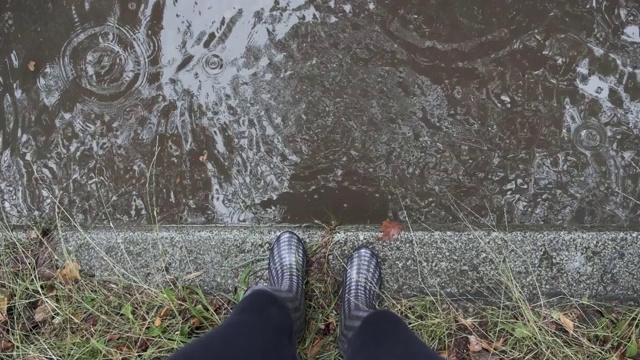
(590, 137)
(50, 83)
(213, 64)
(104, 63)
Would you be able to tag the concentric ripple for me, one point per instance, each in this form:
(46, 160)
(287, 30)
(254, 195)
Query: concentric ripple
(590, 137)
(104, 63)
(213, 64)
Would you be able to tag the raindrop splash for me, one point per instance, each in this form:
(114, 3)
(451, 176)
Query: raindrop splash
(104, 64)
(590, 137)
(213, 64)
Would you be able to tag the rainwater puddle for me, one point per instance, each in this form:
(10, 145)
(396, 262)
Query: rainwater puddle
(255, 111)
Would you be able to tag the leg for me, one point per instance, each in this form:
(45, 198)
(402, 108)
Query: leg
(260, 328)
(383, 335)
(367, 333)
(268, 320)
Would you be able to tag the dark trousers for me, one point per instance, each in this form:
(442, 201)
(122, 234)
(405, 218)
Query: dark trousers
(261, 328)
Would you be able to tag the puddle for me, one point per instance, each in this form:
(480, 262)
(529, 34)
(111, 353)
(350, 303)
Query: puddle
(255, 111)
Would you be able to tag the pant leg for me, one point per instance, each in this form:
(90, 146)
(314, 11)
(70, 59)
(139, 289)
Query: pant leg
(259, 328)
(383, 335)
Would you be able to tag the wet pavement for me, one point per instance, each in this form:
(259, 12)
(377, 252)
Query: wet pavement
(255, 111)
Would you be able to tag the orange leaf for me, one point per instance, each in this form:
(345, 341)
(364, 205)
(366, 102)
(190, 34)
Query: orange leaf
(157, 322)
(69, 272)
(565, 321)
(390, 230)
(203, 158)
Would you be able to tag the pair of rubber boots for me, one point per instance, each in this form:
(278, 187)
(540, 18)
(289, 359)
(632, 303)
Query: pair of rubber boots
(360, 292)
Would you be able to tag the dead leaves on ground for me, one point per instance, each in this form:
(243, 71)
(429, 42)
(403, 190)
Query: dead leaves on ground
(203, 157)
(568, 324)
(391, 230)
(5, 297)
(70, 272)
(6, 345)
(158, 321)
(43, 313)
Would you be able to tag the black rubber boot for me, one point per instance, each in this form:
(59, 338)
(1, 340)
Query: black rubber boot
(360, 293)
(287, 265)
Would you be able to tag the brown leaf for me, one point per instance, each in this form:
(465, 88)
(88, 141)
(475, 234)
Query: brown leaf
(475, 345)
(203, 158)
(43, 313)
(194, 321)
(70, 271)
(567, 323)
(157, 322)
(125, 349)
(390, 230)
(6, 345)
(5, 296)
(92, 320)
(164, 311)
(315, 348)
(467, 323)
(32, 66)
(143, 344)
(112, 337)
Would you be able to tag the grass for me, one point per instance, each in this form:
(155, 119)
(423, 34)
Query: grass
(50, 311)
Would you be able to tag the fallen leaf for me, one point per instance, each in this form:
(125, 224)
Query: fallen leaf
(315, 348)
(194, 321)
(164, 311)
(157, 322)
(203, 158)
(6, 345)
(475, 345)
(69, 272)
(467, 323)
(92, 320)
(4, 304)
(567, 323)
(32, 65)
(112, 337)
(390, 230)
(143, 344)
(42, 313)
(125, 349)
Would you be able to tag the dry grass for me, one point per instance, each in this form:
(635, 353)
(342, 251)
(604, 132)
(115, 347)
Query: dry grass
(54, 315)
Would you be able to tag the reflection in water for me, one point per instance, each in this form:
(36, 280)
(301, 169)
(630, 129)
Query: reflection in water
(253, 111)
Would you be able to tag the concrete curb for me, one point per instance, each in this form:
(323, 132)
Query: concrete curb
(599, 265)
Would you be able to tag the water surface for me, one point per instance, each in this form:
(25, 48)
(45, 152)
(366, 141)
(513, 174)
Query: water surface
(258, 111)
